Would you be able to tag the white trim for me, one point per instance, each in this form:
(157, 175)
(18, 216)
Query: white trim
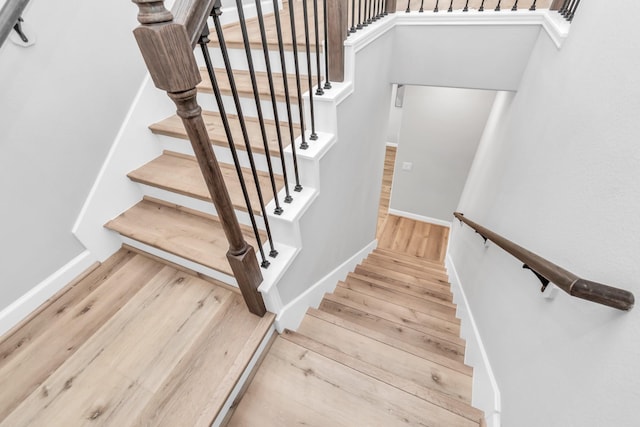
(465, 314)
(292, 314)
(243, 378)
(35, 297)
(392, 144)
(422, 218)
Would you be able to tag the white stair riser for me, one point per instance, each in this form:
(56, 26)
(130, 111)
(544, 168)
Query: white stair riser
(208, 103)
(238, 59)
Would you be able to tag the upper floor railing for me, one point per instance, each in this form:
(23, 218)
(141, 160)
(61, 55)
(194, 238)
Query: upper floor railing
(548, 272)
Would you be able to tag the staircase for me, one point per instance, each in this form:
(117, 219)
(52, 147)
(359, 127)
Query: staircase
(386, 342)
(382, 350)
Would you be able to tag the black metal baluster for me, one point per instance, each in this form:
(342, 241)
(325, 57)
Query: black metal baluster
(435, 9)
(204, 40)
(292, 19)
(568, 9)
(319, 90)
(274, 103)
(364, 14)
(384, 8)
(374, 15)
(497, 9)
(256, 97)
(408, 6)
(287, 97)
(380, 9)
(353, 16)
(466, 7)
(421, 6)
(515, 6)
(313, 135)
(450, 7)
(573, 11)
(563, 9)
(359, 26)
(481, 9)
(245, 134)
(370, 18)
(533, 5)
(325, 18)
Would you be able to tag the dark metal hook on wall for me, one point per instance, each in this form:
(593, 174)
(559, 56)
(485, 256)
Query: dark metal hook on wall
(18, 29)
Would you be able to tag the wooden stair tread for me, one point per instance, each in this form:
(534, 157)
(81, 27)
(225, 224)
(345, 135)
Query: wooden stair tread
(172, 126)
(417, 238)
(181, 174)
(437, 398)
(297, 386)
(426, 345)
(138, 343)
(407, 263)
(402, 315)
(409, 259)
(394, 267)
(391, 276)
(198, 238)
(402, 299)
(430, 293)
(421, 371)
(234, 40)
(244, 86)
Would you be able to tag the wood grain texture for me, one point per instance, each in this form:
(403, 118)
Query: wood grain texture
(416, 238)
(172, 126)
(233, 35)
(385, 192)
(180, 174)
(198, 238)
(297, 386)
(135, 342)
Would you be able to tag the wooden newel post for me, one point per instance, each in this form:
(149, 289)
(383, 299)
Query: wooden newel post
(167, 51)
(338, 27)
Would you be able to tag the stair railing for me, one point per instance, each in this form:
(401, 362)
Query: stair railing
(166, 40)
(10, 18)
(547, 272)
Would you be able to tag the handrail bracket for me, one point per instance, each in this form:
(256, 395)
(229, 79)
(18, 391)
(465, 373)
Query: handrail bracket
(545, 282)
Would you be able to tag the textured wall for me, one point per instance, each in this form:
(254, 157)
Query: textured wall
(562, 179)
(63, 101)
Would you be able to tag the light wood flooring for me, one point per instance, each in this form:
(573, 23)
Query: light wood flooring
(133, 342)
(382, 350)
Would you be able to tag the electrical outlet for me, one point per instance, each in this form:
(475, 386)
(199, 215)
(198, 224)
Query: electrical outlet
(406, 166)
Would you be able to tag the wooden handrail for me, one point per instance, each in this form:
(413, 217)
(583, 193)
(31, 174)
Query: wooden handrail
(9, 15)
(565, 280)
(167, 49)
(192, 14)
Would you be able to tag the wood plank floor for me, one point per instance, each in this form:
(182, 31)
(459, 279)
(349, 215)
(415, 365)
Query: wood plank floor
(382, 350)
(135, 342)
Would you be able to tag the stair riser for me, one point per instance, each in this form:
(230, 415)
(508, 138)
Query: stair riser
(238, 59)
(223, 154)
(208, 103)
(178, 260)
(199, 205)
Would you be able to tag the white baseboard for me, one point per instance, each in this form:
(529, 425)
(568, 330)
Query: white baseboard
(292, 314)
(422, 218)
(27, 303)
(486, 394)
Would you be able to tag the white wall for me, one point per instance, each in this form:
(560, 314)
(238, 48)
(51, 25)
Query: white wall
(63, 101)
(439, 134)
(342, 220)
(563, 180)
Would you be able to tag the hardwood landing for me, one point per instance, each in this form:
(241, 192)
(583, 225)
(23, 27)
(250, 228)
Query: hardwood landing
(135, 342)
(382, 350)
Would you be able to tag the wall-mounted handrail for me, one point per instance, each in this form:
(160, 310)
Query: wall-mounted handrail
(565, 280)
(9, 15)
